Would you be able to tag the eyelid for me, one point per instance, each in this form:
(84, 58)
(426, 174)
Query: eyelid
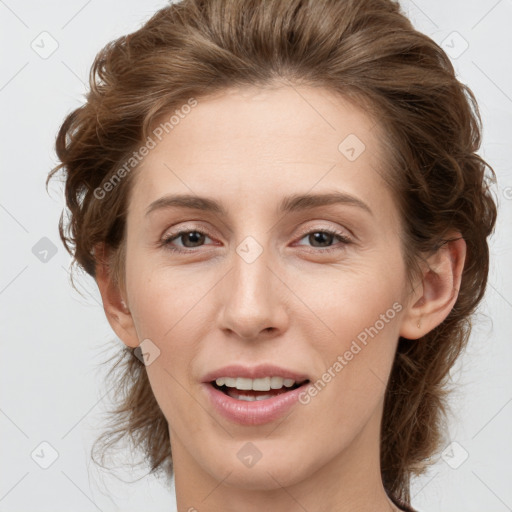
(194, 226)
(345, 233)
(198, 226)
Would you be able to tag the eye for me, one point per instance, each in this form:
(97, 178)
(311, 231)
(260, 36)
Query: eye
(190, 238)
(324, 237)
(195, 238)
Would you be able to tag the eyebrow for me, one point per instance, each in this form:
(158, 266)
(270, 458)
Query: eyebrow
(289, 204)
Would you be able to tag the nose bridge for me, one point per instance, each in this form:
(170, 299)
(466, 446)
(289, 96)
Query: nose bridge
(251, 276)
(251, 302)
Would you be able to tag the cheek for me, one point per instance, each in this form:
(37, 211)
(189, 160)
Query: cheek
(164, 300)
(344, 302)
(168, 308)
(355, 331)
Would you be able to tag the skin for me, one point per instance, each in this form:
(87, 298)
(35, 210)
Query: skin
(296, 305)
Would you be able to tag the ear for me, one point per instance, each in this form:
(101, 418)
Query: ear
(436, 292)
(114, 298)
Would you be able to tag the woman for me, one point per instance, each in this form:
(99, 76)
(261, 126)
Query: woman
(284, 211)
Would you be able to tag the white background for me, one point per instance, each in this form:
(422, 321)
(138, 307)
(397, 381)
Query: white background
(53, 339)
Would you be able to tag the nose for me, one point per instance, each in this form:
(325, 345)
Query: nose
(253, 304)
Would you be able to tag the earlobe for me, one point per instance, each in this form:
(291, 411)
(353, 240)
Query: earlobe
(116, 310)
(123, 303)
(436, 293)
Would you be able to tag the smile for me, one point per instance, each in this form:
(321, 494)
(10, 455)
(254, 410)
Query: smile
(251, 390)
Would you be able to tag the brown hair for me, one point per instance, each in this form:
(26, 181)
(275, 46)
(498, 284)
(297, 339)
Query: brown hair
(367, 51)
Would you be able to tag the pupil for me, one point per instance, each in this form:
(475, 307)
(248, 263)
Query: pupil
(319, 235)
(192, 235)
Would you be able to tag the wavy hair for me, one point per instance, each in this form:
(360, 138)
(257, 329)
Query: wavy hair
(368, 52)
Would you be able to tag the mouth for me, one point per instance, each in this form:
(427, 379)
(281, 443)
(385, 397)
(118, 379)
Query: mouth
(254, 395)
(251, 390)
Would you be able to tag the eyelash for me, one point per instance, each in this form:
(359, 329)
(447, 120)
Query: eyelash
(166, 242)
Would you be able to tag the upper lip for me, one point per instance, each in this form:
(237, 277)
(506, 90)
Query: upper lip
(254, 372)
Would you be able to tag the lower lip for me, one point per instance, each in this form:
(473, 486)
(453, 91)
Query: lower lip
(257, 412)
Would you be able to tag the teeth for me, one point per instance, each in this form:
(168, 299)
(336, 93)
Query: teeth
(250, 398)
(264, 384)
(276, 382)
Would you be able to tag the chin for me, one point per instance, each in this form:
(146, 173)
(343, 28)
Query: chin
(268, 473)
(263, 479)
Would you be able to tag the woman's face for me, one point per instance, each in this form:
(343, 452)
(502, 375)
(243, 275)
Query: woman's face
(259, 287)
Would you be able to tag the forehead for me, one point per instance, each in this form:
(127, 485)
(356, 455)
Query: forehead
(253, 143)
(284, 120)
